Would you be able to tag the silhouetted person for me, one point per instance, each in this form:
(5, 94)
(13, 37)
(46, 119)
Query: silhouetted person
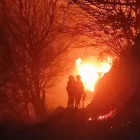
(79, 88)
(70, 90)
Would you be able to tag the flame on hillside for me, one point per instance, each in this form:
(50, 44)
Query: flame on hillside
(90, 73)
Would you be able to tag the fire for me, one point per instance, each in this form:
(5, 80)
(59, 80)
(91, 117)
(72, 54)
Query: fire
(89, 119)
(111, 114)
(90, 73)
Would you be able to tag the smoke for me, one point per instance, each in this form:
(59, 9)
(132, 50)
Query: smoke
(57, 95)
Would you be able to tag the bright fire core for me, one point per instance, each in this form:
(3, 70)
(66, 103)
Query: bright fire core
(90, 73)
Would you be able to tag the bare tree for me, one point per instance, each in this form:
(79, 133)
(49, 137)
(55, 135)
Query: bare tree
(36, 47)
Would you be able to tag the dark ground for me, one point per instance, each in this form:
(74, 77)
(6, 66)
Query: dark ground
(74, 125)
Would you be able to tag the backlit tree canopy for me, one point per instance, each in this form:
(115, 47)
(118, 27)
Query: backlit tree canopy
(117, 22)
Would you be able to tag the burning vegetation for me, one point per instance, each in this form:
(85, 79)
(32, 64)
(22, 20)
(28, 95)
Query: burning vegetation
(90, 72)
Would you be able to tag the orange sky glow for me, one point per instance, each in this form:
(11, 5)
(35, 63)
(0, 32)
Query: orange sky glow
(91, 70)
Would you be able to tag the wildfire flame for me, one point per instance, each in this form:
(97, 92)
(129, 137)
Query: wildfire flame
(90, 73)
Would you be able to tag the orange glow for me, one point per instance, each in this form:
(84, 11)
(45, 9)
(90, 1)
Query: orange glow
(90, 73)
(89, 119)
(111, 114)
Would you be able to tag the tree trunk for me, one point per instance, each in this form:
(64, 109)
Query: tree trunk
(40, 109)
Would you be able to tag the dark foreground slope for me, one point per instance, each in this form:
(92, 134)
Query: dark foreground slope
(74, 125)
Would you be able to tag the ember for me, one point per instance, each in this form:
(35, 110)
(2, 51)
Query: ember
(111, 114)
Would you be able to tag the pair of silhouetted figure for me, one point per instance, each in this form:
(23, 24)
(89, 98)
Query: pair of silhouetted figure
(75, 90)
